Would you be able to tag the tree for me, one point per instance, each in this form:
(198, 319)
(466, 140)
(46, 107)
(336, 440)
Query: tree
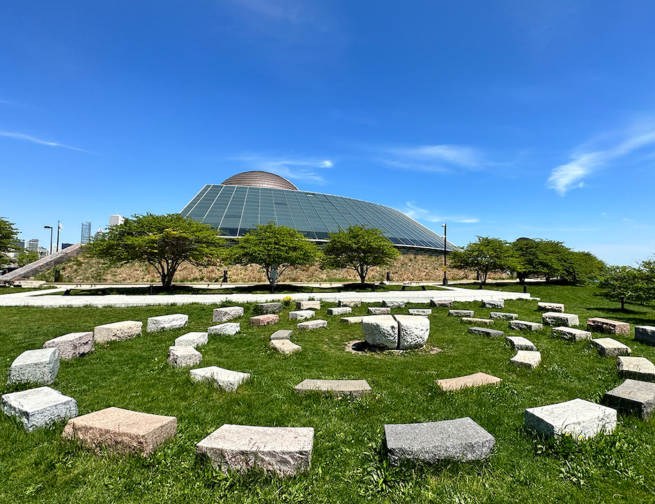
(581, 267)
(487, 255)
(274, 249)
(163, 241)
(358, 248)
(25, 257)
(8, 236)
(623, 284)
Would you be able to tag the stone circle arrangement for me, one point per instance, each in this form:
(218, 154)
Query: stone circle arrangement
(288, 450)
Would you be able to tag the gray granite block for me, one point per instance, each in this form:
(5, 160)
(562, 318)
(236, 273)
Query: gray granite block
(493, 303)
(560, 319)
(420, 311)
(471, 320)
(301, 314)
(39, 407)
(413, 332)
(607, 347)
(637, 368)
(281, 335)
(377, 310)
(460, 313)
(393, 304)
(441, 303)
(551, 307)
(35, 366)
(182, 356)
(503, 315)
(521, 343)
(227, 329)
(352, 320)
(337, 387)
(485, 331)
(570, 334)
(222, 378)
(345, 310)
(284, 346)
(167, 322)
(266, 308)
(284, 451)
(118, 331)
(461, 440)
(312, 324)
(527, 359)
(522, 325)
(308, 305)
(645, 334)
(632, 396)
(461, 382)
(578, 418)
(351, 303)
(381, 331)
(192, 339)
(227, 313)
(72, 345)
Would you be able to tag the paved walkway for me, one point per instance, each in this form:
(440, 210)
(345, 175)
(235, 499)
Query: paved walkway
(42, 299)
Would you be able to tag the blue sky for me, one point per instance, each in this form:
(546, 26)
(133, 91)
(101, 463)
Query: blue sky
(504, 118)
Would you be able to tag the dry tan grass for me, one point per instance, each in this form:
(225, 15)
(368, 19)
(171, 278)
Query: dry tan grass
(411, 268)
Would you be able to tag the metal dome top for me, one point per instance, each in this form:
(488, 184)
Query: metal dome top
(260, 179)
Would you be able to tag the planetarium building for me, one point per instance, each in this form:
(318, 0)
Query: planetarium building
(241, 202)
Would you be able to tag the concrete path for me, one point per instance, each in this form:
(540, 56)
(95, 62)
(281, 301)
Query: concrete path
(42, 299)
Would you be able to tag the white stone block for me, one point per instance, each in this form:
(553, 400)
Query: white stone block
(312, 324)
(182, 356)
(301, 314)
(39, 407)
(72, 345)
(352, 320)
(192, 339)
(284, 346)
(378, 310)
(441, 303)
(227, 329)
(308, 305)
(413, 332)
(351, 303)
(636, 368)
(521, 343)
(167, 322)
(551, 307)
(522, 325)
(227, 313)
(503, 316)
(281, 335)
(607, 347)
(393, 304)
(571, 334)
(381, 331)
(526, 359)
(460, 313)
(118, 331)
(560, 319)
(222, 378)
(578, 418)
(493, 303)
(339, 311)
(35, 366)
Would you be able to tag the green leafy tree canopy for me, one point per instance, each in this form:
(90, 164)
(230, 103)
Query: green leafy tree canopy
(486, 255)
(274, 249)
(25, 257)
(8, 236)
(623, 284)
(163, 241)
(358, 248)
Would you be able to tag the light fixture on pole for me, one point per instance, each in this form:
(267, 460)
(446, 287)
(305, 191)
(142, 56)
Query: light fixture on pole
(445, 261)
(58, 229)
(50, 228)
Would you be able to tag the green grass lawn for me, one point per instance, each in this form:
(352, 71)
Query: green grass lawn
(348, 462)
(16, 290)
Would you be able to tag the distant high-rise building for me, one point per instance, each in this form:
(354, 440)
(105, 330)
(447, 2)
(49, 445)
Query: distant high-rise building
(20, 244)
(86, 232)
(98, 234)
(116, 220)
(42, 251)
(33, 245)
(66, 245)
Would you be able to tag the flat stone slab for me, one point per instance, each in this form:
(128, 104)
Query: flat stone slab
(393, 304)
(351, 303)
(632, 396)
(560, 319)
(344, 310)
(337, 387)
(35, 366)
(262, 320)
(265, 308)
(192, 339)
(381, 331)
(121, 430)
(606, 326)
(503, 315)
(493, 303)
(460, 313)
(607, 347)
(301, 314)
(118, 331)
(571, 334)
(550, 307)
(462, 440)
(577, 418)
(284, 451)
(377, 310)
(39, 407)
(461, 382)
(228, 313)
(229, 328)
(308, 305)
(441, 303)
(527, 359)
(182, 356)
(471, 320)
(637, 368)
(284, 346)
(167, 322)
(420, 311)
(413, 331)
(222, 378)
(520, 343)
(312, 324)
(281, 335)
(522, 325)
(352, 320)
(72, 345)
(645, 334)
(485, 331)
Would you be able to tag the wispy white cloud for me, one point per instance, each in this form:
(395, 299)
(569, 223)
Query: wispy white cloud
(418, 213)
(438, 158)
(28, 138)
(584, 162)
(291, 168)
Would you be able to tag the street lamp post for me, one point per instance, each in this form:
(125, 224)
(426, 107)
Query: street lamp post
(58, 228)
(445, 260)
(50, 228)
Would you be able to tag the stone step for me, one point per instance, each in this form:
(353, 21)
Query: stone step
(420, 311)
(637, 368)
(118, 331)
(550, 307)
(183, 356)
(227, 313)
(570, 334)
(474, 380)
(266, 308)
(485, 331)
(72, 345)
(350, 303)
(263, 320)
(339, 311)
(520, 343)
(460, 313)
(577, 418)
(503, 316)
(560, 319)
(301, 314)
(167, 322)
(337, 387)
(376, 310)
(522, 325)
(284, 346)
(311, 325)
(441, 303)
(606, 326)
(645, 334)
(607, 347)
(35, 366)
(632, 396)
(192, 339)
(393, 304)
(308, 305)
(39, 407)
(527, 359)
(281, 335)
(493, 303)
(229, 328)
(471, 320)
(222, 378)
